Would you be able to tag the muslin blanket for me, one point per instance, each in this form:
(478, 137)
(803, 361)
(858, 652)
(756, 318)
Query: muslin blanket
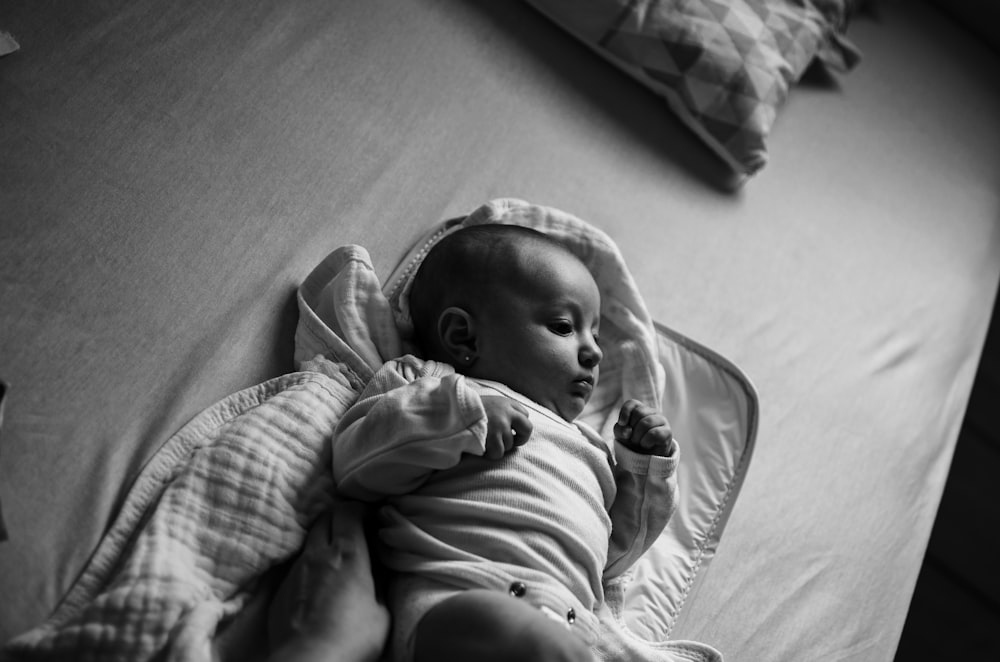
(233, 493)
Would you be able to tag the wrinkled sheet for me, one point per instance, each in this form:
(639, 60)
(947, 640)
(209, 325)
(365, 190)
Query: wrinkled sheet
(168, 174)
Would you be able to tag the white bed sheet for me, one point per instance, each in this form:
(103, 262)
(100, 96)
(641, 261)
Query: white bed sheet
(168, 177)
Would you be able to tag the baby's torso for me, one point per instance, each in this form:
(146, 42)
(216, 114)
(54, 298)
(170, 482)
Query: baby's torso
(543, 506)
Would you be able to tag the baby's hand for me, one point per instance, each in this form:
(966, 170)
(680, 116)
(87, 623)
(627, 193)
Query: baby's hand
(507, 425)
(643, 429)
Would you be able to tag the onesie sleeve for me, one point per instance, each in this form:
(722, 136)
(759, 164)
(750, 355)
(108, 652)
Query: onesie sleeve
(646, 498)
(413, 418)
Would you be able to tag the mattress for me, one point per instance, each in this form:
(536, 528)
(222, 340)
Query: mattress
(168, 178)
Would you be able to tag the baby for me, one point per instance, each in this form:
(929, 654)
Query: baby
(503, 517)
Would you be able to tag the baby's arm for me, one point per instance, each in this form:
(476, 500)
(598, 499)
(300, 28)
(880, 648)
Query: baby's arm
(508, 425)
(646, 457)
(413, 418)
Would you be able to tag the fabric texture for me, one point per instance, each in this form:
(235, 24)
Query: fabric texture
(461, 519)
(228, 497)
(725, 68)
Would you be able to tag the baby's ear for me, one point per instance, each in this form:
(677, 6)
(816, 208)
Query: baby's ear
(457, 332)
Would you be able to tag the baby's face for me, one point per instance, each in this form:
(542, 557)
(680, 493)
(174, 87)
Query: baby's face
(540, 337)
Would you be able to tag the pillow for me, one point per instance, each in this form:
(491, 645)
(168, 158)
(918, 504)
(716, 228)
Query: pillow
(724, 66)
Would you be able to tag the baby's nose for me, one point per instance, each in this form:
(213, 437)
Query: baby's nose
(591, 355)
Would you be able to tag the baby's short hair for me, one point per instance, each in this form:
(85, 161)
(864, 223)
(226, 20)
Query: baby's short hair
(460, 269)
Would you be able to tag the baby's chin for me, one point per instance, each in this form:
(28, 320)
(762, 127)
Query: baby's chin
(570, 411)
(566, 406)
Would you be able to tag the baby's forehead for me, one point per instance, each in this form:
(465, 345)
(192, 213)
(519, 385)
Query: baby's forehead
(559, 257)
(542, 247)
(546, 274)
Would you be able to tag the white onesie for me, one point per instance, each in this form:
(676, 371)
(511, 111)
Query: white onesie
(550, 522)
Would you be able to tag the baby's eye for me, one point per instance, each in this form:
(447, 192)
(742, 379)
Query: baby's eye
(561, 327)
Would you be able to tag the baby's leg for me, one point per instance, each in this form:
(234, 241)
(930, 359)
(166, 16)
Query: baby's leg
(326, 609)
(488, 626)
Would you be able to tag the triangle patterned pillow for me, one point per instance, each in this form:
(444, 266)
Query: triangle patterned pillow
(724, 66)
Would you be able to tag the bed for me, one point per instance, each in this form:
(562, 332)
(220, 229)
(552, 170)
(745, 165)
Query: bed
(169, 179)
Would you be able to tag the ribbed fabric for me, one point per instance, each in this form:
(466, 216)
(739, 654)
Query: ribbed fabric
(559, 514)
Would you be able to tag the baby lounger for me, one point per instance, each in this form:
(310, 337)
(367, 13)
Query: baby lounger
(182, 571)
(710, 403)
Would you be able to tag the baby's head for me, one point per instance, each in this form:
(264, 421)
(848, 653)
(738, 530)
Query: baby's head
(508, 304)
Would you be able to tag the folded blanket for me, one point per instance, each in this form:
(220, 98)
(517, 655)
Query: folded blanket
(229, 496)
